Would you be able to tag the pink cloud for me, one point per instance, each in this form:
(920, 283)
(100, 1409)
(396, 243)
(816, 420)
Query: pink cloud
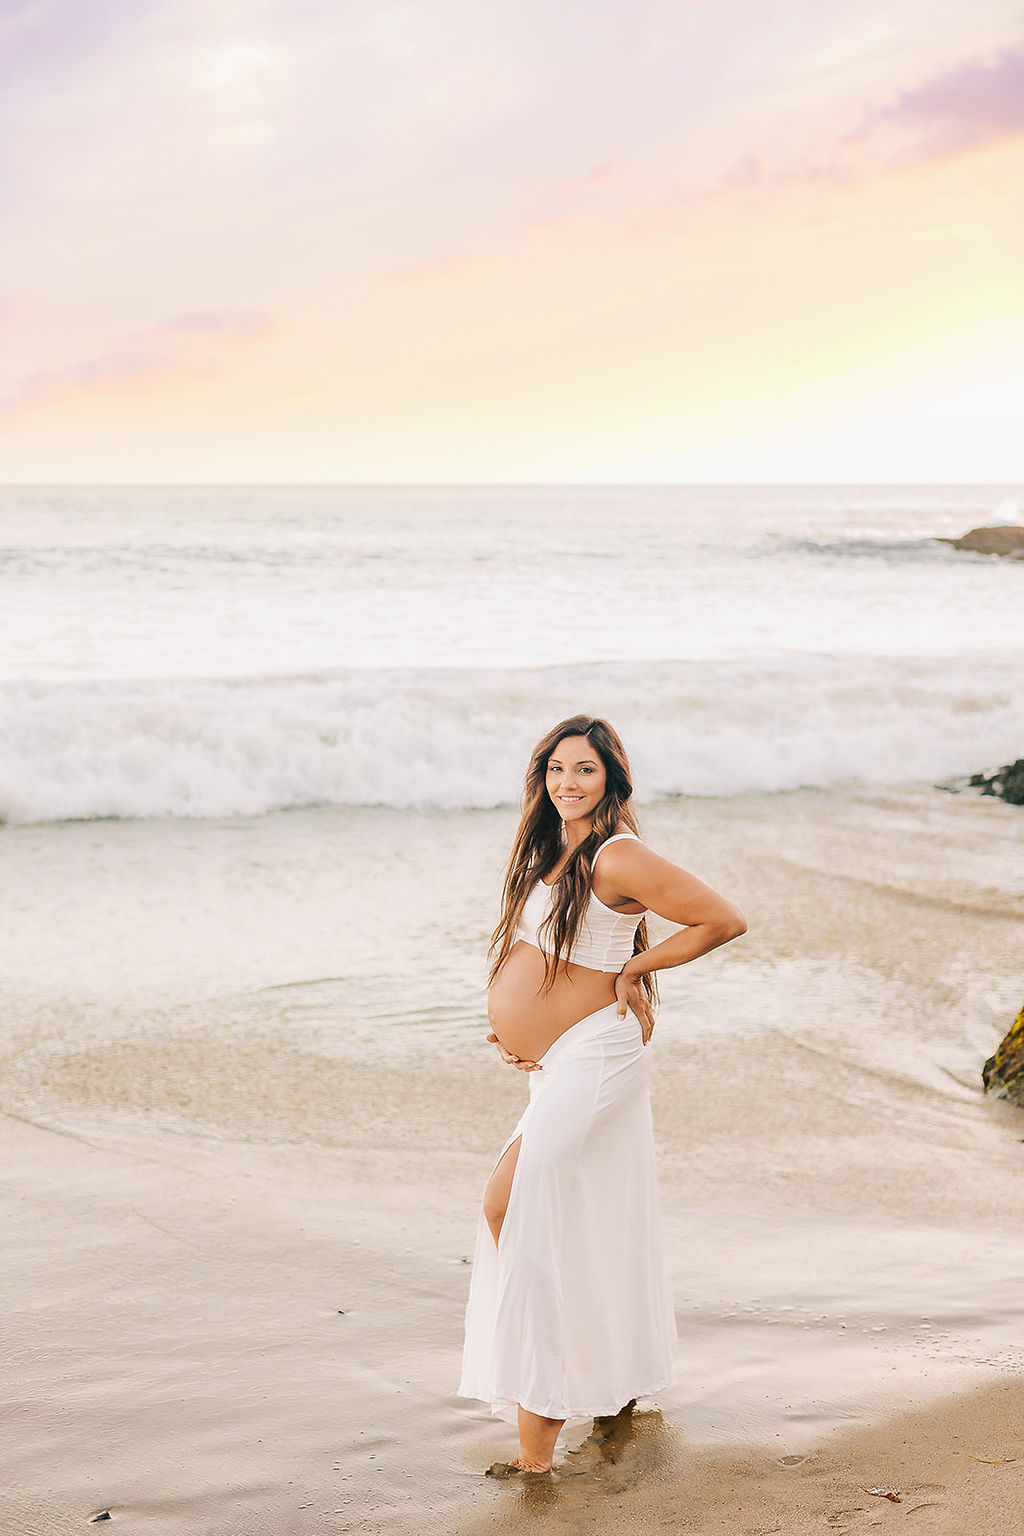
(976, 101)
(174, 348)
(967, 107)
(752, 173)
(963, 109)
(233, 325)
(440, 269)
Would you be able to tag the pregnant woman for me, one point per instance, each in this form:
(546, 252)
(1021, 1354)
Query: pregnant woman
(568, 1312)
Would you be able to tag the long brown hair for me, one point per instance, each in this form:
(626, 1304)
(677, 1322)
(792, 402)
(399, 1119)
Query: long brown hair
(539, 846)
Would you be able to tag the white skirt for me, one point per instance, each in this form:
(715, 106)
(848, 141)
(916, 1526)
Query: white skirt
(570, 1314)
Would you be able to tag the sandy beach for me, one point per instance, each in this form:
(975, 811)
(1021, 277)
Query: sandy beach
(248, 1114)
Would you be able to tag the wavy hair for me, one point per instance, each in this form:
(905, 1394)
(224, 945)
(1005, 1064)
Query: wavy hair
(539, 846)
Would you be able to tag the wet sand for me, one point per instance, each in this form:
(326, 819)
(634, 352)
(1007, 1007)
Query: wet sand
(635, 1475)
(245, 1139)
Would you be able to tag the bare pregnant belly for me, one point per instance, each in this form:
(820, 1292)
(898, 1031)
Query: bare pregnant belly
(525, 1018)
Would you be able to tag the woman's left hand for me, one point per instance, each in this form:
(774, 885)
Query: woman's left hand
(513, 1060)
(629, 993)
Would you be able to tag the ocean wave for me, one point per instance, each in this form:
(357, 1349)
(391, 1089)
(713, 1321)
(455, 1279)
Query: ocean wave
(905, 551)
(459, 738)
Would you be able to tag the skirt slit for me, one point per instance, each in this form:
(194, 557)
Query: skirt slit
(569, 1314)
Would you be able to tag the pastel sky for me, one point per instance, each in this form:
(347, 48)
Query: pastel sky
(471, 240)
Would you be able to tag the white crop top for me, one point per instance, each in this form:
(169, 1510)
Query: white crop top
(605, 939)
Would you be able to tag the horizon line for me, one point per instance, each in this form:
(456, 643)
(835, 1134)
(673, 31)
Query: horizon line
(477, 485)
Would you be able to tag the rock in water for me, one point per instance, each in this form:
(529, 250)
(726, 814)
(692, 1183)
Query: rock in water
(1005, 540)
(1003, 1073)
(1007, 783)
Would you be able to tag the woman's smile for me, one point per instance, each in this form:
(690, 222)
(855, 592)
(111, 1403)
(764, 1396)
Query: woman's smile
(576, 778)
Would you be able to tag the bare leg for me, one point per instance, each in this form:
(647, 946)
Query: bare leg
(537, 1435)
(499, 1187)
(537, 1438)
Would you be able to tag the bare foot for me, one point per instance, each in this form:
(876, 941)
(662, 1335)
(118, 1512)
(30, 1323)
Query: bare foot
(505, 1469)
(521, 1464)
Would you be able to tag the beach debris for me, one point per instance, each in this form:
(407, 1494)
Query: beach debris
(994, 1461)
(1006, 539)
(1003, 1073)
(104, 1514)
(882, 1492)
(791, 1461)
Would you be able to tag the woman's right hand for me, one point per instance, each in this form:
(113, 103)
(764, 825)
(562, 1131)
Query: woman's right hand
(514, 1061)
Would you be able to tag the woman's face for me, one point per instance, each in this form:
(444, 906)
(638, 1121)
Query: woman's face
(576, 778)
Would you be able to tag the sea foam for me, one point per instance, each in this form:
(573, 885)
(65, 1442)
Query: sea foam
(451, 738)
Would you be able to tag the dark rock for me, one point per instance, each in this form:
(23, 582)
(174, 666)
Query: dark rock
(1003, 1073)
(1005, 540)
(1007, 783)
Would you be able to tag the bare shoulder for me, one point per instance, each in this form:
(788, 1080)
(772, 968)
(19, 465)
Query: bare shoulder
(629, 855)
(636, 873)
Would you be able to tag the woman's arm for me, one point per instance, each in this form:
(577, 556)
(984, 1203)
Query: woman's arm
(707, 918)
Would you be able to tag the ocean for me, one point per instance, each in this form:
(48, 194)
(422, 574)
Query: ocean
(205, 651)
